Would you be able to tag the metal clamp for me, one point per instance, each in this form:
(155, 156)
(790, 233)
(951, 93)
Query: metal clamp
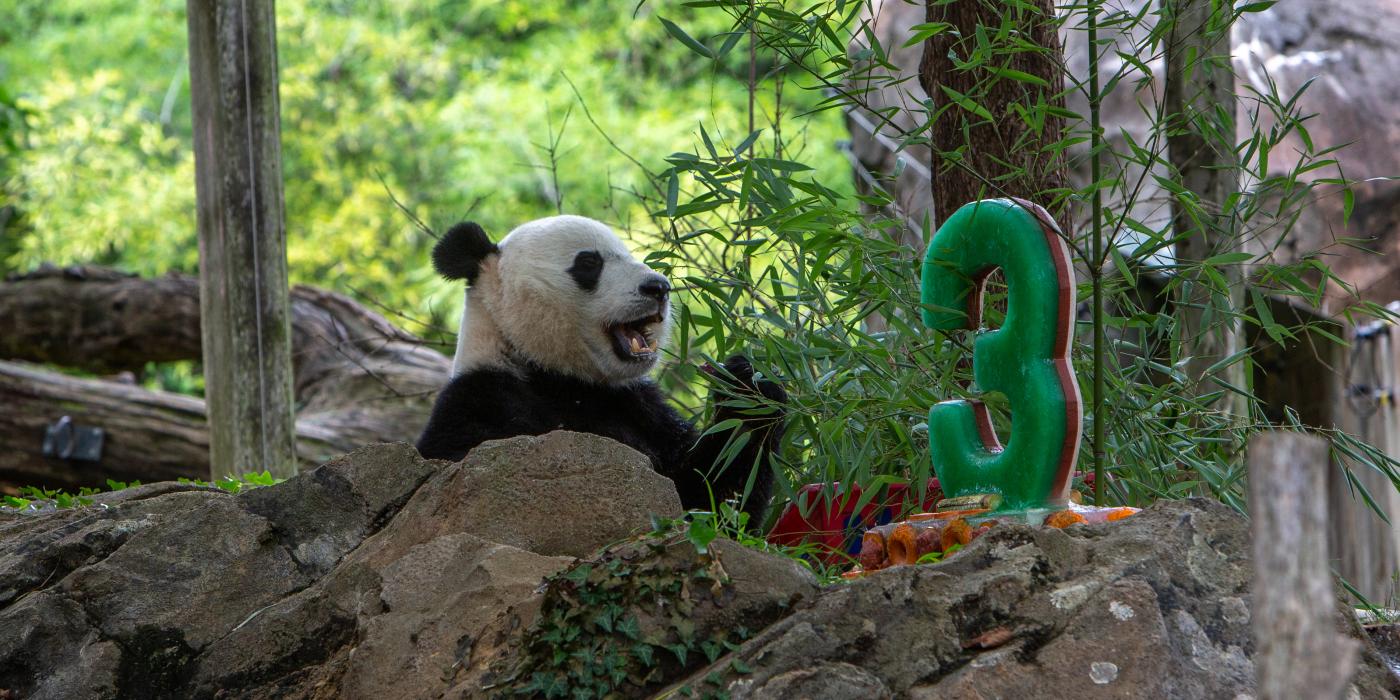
(66, 440)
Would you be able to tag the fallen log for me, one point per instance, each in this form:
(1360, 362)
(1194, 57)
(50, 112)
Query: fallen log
(358, 378)
(148, 435)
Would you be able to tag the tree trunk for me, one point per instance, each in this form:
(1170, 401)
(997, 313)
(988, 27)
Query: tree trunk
(1200, 99)
(995, 153)
(358, 379)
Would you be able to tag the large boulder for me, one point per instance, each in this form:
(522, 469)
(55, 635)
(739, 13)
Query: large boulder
(371, 574)
(561, 493)
(1157, 605)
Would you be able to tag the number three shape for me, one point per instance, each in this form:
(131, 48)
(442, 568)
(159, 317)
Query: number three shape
(1027, 359)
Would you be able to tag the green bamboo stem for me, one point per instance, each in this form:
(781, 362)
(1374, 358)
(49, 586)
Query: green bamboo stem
(1096, 265)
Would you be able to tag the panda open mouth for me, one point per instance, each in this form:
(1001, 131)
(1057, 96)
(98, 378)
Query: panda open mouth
(636, 340)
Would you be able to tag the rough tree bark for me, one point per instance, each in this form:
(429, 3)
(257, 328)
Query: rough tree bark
(1000, 155)
(358, 379)
(1200, 101)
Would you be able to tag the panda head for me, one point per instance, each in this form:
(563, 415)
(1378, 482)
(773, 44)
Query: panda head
(563, 294)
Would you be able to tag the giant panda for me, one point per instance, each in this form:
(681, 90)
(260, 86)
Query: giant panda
(560, 330)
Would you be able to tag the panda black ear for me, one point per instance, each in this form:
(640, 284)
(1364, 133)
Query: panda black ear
(460, 251)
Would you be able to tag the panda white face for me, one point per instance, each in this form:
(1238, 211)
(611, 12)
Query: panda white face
(567, 295)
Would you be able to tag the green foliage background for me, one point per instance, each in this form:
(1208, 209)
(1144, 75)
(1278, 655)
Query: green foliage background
(453, 103)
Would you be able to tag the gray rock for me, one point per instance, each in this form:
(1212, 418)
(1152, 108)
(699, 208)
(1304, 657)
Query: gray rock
(381, 573)
(662, 586)
(562, 493)
(122, 598)
(438, 599)
(1153, 606)
(373, 574)
(368, 630)
(39, 550)
(412, 602)
(49, 629)
(326, 512)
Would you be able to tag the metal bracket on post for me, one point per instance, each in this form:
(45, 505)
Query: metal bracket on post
(66, 440)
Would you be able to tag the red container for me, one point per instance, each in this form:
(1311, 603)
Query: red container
(833, 522)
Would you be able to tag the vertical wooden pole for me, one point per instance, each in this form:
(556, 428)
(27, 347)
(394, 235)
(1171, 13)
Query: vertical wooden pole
(1299, 652)
(1365, 550)
(242, 239)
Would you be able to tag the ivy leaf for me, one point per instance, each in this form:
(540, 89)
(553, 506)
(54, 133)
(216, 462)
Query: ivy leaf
(679, 650)
(604, 620)
(702, 532)
(578, 574)
(630, 628)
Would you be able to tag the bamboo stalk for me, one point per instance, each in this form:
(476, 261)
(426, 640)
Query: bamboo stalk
(1096, 265)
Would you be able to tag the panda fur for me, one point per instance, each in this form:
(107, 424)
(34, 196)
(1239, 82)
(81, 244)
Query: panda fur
(560, 329)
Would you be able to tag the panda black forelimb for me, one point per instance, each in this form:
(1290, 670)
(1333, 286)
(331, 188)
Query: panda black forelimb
(722, 476)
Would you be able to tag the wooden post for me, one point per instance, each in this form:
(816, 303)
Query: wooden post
(242, 240)
(1299, 652)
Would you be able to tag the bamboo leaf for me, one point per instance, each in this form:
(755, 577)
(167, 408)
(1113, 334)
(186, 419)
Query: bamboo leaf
(966, 102)
(673, 188)
(1255, 6)
(1229, 258)
(748, 141)
(689, 41)
(1019, 76)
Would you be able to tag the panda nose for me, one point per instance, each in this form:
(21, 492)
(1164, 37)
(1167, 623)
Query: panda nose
(656, 288)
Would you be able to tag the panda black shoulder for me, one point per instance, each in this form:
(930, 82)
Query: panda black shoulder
(478, 405)
(459, 253)
(490, 391)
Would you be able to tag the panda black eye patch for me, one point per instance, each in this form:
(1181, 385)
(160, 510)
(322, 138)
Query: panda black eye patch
(587, 268)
